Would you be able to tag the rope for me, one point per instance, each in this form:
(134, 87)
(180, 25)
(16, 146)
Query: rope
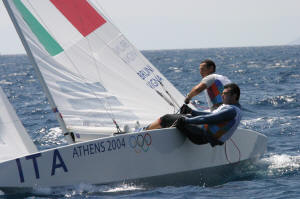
(171, 97)
(236, 148)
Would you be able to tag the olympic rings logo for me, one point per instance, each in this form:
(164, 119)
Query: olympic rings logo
(140, 143)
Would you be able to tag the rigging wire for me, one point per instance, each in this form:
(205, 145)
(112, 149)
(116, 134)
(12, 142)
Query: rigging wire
(96, 66)
(171, 97)
(144, 60)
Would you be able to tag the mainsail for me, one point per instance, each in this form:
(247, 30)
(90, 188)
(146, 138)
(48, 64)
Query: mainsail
(14, 140)
(93, 75)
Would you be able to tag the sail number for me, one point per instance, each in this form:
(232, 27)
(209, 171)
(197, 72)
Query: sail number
(78, 152)
(57, 162)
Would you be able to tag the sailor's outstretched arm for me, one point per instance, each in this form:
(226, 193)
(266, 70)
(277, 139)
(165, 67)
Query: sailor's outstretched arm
(224, 115)
(198, 113)
(195, 91)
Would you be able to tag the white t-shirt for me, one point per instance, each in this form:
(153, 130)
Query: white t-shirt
(215, 85)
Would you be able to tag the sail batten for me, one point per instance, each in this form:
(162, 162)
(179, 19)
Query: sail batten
(98, 76)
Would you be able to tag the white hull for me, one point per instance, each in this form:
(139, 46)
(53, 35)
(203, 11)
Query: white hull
(166, 157)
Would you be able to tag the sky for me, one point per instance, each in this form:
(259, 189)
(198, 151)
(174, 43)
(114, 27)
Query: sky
(178, 24)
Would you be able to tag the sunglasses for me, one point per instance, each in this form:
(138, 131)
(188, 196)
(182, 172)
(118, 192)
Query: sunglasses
(226, 93)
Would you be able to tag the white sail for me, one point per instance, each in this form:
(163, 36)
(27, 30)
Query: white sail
(14, 140)
(94, 74)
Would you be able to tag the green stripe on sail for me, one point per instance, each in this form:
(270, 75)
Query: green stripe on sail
(43, 36)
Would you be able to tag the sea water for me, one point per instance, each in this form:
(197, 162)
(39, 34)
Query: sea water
(269, 78)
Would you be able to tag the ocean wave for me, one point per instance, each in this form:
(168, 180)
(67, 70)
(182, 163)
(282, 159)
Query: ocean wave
(281, 101)
(5, 82)
(84, 189)
(269, 167)
(279, 165)
(175, 69)
(278, 65)
(46, 139)
(274, 125)
(262, 122)
(295, 76)
(17, 74)
(270, 121)
(123, 188)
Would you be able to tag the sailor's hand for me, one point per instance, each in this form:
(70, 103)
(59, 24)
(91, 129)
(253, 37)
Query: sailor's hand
(187, 100)
(180, 123)
(185, 109)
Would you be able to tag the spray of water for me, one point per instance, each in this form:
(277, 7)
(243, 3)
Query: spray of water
(84, 189)
(281, 165)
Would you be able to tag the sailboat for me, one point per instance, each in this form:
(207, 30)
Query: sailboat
(103, 90)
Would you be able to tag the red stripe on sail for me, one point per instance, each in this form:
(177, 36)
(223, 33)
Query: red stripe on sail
(81, 14)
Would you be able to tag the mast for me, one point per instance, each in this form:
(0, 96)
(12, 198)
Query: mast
(41, 79)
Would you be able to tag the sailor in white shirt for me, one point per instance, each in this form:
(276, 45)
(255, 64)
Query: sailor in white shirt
(212, 84)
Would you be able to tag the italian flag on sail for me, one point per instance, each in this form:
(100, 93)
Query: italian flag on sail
(67, 21)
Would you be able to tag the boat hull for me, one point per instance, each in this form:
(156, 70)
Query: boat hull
(158, 157)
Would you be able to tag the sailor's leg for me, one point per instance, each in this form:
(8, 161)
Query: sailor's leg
(154, 125)
(195, 133)
(198, 135)
(164, 122)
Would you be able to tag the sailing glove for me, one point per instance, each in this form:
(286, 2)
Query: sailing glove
(185, 109)
(187, 100)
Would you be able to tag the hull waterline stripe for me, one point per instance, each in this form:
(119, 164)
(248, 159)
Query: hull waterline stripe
(81, 14)
(49, 43)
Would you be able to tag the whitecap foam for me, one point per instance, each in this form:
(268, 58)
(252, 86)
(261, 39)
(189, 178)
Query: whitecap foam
(239, 71)
(279, 100)
(261, 121)
(278, 65)
(84, 188)
(251, 121)
(281, 164)
(4, 82)
(17, 74)
(269, 121)
(175, 69)
(123, 188)
(67, 191)
(295, 75)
